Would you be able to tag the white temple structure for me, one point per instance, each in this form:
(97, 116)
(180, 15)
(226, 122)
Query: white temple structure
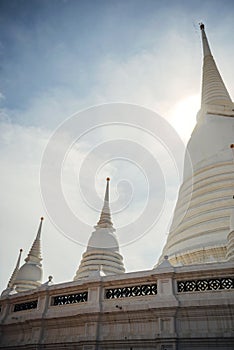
(201, 220)
(185, 302)
(29, 275)
(103, 247)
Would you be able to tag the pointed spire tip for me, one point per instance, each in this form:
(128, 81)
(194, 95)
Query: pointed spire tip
(105, 217)
(215, 97)
(202, 26)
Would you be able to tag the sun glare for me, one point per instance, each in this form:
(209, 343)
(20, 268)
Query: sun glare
(182, 116)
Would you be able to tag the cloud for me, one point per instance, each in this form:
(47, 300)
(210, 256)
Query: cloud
(21, 205)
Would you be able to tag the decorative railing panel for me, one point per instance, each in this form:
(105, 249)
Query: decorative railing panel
(205, 285)
(70, 298)
(131, 291)
(26, 306)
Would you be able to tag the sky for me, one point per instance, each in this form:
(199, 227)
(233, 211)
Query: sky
(59, 58)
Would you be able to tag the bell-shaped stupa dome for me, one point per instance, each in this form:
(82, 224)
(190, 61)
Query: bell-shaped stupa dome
(103, 247)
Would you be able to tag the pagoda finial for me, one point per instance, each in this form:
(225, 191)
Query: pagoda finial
(105, 217)
(215, 97)
(14, 273)
(39, 228)
(206, 47)
(35, 251)
(107, 190)
(11, 283)
(29, 275)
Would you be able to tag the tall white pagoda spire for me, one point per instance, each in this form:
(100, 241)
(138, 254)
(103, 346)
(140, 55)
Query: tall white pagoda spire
(14, 274)
(10, 285)
(102, 254)
(215, 97)
(34, 254)
(29, 275)
(201, 222)
(105, 217)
